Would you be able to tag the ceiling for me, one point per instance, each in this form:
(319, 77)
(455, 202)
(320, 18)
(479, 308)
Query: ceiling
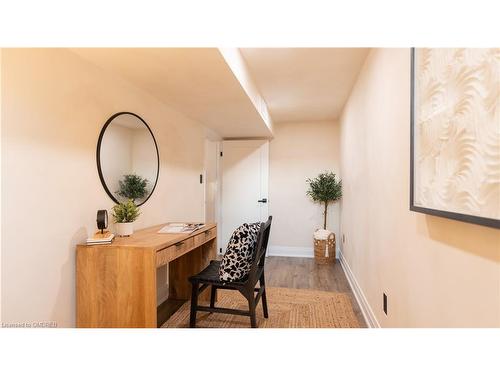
(304, 84)
(231, 91)
(195, 81)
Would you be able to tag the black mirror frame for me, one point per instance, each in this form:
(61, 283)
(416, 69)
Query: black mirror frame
(98, 155)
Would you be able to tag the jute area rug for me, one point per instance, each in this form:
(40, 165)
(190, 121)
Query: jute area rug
(288, 308)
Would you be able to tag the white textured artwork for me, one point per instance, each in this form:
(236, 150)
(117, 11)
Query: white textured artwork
(457, 131)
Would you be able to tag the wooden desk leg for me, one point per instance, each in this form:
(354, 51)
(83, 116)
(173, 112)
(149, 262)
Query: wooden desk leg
(209, 251)
(187, 265)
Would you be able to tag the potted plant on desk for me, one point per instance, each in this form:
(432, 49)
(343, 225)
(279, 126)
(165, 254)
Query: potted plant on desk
(125, 214)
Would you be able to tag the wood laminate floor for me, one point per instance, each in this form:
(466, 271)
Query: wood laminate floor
(304, 273)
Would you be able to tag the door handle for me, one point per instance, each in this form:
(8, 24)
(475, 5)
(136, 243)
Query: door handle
(263, 200)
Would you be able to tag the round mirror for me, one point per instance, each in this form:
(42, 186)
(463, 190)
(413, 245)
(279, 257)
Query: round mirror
(127, 158)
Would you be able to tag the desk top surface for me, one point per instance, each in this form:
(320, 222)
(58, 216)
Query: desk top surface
(149, 238)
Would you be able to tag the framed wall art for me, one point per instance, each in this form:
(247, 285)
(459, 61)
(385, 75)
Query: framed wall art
(455, 134)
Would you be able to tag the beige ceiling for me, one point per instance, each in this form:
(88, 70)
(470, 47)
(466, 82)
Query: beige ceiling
(304, 84)
(195, 81)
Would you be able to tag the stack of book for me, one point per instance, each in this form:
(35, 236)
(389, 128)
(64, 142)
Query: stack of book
(100, 238)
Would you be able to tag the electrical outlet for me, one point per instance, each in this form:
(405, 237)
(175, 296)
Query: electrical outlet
(385, 304)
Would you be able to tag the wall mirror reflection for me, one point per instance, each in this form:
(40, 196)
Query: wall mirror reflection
(127, 158)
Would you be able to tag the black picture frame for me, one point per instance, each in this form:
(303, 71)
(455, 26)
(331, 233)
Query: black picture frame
(489, 222)
(98, 156)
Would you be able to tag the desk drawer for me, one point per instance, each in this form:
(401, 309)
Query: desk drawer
(201, 238)
(166, 255)
(181, 248)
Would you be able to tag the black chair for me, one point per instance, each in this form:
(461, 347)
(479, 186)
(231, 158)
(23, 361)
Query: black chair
(210, 277)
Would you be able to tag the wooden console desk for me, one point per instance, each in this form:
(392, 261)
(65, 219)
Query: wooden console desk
(116, 283)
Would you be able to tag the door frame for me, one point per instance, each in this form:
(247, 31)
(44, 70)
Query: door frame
(218, 183)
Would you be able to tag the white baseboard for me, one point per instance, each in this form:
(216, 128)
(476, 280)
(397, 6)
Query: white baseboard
(365, 307)
(290, 251)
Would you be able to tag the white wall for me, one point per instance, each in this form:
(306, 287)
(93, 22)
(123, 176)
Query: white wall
(436, 272)
(299, 151)
(53, 107)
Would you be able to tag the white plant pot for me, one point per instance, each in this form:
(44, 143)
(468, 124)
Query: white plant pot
(124, 229)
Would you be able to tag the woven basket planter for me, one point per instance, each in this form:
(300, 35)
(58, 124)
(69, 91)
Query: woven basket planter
(321, 255)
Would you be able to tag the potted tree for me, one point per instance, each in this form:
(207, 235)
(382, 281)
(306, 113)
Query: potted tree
(125, 214)
(325, 189)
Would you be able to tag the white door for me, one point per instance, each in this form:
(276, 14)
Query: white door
(245, 178)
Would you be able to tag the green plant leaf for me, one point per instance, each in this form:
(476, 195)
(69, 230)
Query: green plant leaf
(132, 187)
(126, 212)
(325, 188)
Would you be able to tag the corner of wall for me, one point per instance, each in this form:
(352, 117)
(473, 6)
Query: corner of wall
(364, 305)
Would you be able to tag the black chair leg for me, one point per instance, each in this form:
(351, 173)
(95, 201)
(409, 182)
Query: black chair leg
(213, 295)
(264, 297)
(264, 302)
(251, 307)
(194, 306)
